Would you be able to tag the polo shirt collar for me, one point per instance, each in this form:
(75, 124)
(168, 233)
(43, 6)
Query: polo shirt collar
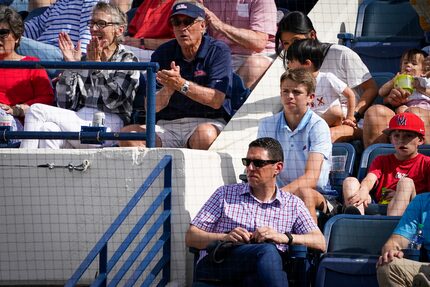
(303, 122)
(201, 52)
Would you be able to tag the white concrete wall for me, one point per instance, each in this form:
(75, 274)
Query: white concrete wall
(50, 219)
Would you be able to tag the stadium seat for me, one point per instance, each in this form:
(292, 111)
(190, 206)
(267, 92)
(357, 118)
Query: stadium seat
(381, 78)
(368, 156)
(354, 244)
(384, 30)
(138, 115)
(343, 161)
(239, 93)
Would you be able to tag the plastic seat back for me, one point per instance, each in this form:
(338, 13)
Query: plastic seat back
(343, 160)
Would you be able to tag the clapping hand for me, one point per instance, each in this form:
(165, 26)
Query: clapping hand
(70, 52)
(95, 49)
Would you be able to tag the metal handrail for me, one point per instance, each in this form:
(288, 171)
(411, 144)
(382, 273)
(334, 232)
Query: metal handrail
(101, 247)
(150, 67)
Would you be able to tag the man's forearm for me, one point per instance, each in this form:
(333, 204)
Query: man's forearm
(249, 39)
(200, 239)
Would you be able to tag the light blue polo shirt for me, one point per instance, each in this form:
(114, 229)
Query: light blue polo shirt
(311, 135)
(417, 212)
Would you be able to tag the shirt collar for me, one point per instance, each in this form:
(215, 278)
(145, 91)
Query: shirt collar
(303, 122)
(278, 197)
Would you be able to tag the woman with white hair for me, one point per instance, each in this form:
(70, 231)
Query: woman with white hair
(81, 93)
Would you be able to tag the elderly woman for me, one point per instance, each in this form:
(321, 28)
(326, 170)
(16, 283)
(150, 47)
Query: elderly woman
(19, 88)
(195, 75)
(81, 93)
(339, 60)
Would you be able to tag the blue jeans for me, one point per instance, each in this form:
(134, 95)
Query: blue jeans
(247, 265)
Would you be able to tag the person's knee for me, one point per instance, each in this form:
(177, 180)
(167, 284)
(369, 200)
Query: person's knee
(203, 136)
(132, 143)
(132, 128)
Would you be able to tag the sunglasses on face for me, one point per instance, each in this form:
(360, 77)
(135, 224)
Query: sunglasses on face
(176, 22)
(258, 162)
(101, 24)
(4, 33)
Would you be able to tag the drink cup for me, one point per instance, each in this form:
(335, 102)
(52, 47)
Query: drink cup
(404, 82)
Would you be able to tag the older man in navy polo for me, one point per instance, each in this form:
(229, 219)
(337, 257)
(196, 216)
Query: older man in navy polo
(195, 79)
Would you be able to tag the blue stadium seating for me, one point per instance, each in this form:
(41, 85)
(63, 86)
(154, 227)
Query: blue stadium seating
(381, 78)
(354, 243)
(344, 154)
(384, 30)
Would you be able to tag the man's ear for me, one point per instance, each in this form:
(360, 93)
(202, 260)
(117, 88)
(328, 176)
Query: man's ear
(278, 168)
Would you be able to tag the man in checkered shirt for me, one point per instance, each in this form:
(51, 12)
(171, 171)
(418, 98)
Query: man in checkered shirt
(257, 213)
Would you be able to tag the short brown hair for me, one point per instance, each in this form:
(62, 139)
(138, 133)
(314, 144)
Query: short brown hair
(300, 76)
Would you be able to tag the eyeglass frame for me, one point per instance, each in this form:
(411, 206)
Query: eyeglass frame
(181, 22)
(92, 23)
(258, 163)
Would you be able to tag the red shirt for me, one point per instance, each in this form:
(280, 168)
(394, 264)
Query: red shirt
(152, 20)
(25, 86)
(388, 169)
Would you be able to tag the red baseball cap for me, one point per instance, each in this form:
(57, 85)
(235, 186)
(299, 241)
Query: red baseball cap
(406, 122)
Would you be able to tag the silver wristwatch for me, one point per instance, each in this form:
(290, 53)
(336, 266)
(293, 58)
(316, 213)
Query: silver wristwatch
(185, 88)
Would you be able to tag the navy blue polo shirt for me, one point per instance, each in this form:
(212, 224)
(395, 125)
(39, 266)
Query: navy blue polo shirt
(211, 68)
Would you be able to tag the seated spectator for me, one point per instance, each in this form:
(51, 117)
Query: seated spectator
(392, 268)
(81, 93)
(248, 27)
(150, 26)
(257, 216)
(19, 88)
(41, 32)
(339, 60)
(396, 178)
(305, 139)
(400, 98)
(195, 75)
(309, 54)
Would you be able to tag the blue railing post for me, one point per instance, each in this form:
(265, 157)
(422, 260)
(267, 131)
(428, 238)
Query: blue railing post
(150, 106)
(167, 226)
(103, 264)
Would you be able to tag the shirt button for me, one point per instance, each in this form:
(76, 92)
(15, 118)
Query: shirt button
(292, 145)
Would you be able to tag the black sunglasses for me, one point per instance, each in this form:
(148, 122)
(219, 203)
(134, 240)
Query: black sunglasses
(258, 162)
(186, 22)
(4, 33)
(101, 24)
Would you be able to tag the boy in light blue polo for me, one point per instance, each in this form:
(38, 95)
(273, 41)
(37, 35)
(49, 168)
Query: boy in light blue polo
(305, 139)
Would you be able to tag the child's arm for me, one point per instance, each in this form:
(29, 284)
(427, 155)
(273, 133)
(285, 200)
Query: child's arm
(386, 88)
(422, 86)
(350, 97)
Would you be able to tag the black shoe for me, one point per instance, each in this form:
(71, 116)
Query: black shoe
(351, 209)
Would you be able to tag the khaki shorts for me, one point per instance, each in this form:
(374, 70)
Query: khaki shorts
(175, 133)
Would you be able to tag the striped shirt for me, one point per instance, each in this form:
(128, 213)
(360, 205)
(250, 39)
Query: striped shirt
(234, 206)
(70, 16)
(110, 91)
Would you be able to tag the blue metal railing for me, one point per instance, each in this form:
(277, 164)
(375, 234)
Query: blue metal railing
(162, 244)
(150, 68)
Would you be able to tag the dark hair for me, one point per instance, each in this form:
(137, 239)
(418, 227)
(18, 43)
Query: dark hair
(295, 22)
(306, 49)
(14, 21)
(273, 147)
(410, 54)
(300, 76)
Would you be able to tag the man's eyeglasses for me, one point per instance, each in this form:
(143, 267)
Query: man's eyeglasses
(101, 24)
(176, 22)
(258, 162)
(4, 33)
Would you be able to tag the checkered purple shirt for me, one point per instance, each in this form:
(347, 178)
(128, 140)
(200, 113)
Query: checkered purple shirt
(234, 206)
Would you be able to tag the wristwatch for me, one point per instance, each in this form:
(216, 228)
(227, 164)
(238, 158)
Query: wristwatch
(290, 238)
(185, 87)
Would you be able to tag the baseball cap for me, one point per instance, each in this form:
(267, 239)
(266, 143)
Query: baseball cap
(406, 122)
(188, 9)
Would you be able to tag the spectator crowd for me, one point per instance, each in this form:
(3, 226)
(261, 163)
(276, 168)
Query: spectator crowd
(326, 92)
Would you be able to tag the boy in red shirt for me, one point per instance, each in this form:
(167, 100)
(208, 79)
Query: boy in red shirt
(396, 178)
